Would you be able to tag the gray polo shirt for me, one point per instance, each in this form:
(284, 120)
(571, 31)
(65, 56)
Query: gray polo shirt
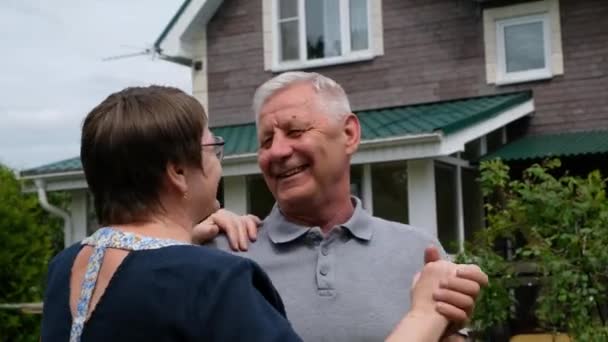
(351, 285)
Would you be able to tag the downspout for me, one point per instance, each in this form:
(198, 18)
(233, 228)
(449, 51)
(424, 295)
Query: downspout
(44, 203)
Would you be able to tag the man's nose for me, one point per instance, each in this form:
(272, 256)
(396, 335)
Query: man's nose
(281, 147)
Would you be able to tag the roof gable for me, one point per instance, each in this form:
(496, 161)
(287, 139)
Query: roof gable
(187, 25)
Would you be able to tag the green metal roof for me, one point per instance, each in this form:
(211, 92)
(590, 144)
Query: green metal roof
(62, 166)
(553, 145)
(446, 116)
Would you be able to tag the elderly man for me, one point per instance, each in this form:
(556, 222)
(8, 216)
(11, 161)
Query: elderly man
(343, 274)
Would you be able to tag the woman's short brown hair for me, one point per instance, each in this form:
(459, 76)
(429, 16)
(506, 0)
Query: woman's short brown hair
(127, 141)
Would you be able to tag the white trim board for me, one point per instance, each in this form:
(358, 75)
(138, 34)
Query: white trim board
(455, 142)
(188, 28)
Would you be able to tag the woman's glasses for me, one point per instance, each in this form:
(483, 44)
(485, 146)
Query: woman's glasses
(218, 147)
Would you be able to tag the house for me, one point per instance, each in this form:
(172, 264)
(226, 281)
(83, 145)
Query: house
(437, 85)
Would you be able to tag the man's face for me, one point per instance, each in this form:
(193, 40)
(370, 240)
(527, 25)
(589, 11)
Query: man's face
(304, 152)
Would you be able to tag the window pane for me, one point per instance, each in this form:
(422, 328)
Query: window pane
(358, 25)
(220, 192)
(524, 47)
(288, 9)
(445, 197)
(259, 198)
(356, 180)
(323, 28)
(92, 222)
(389, 187)
(472, 203)
(494, 140)
(289, 40)
(472, 150)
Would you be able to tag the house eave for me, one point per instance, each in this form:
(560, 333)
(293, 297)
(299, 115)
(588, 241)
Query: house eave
(175, 42)
(58, 181)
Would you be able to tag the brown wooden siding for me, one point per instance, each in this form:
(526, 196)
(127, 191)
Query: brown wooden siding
(433, 51)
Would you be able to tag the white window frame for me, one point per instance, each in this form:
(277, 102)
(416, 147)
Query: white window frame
(504, 77)
(347, 56)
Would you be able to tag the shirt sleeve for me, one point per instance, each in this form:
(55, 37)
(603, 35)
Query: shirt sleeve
(244, 306)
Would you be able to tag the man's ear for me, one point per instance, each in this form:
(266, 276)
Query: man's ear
(176, 177)
(352, 131)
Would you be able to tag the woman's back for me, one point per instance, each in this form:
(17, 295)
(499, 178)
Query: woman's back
(174, 293)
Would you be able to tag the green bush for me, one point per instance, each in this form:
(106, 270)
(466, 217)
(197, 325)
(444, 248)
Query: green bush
(560, 225)
(29, 237)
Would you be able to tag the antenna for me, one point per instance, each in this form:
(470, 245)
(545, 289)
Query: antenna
(148, 51)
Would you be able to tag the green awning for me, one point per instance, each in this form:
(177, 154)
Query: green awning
(446, 117)
(553, 145)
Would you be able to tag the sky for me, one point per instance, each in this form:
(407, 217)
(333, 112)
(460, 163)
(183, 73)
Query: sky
(52, 73)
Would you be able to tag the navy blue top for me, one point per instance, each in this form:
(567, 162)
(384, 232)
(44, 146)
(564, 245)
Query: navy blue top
(175, 293)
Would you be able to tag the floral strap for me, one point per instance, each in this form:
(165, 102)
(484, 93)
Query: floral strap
(101, 240)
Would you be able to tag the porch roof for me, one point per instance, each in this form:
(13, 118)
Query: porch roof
(377, 125)
(553, 145)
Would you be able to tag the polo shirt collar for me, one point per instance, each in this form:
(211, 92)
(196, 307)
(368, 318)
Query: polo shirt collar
(360, 224)
(281, 230)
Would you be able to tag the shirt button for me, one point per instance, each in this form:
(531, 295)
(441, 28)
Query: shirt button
(324, 270)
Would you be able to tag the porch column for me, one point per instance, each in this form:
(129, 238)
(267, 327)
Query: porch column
(78, 211)
(235, 194)
(421, 194)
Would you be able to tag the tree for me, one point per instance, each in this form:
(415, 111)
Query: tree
(29, 237)
(560, 225)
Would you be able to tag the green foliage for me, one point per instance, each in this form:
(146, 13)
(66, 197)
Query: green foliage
(28, 239)
(562, 225)
(495, 303)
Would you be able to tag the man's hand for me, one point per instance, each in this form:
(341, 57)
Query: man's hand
(238, 229)
(457, 293)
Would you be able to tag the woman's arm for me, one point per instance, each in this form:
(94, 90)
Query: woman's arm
(423, 323)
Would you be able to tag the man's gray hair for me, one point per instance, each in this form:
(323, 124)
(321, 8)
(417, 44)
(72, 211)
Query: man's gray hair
(333, 99)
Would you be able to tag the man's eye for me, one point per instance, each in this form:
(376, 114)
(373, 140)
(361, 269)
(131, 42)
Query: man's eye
(295, 132)
(266, 142)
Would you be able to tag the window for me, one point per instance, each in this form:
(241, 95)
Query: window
(356, 181)
(259, 199)
(523, 42)
(523, 49)
(472, 203)
(496, 139)
(312, 33)
(389, 191)
(92, 221)
(220, 192)
(447, 206)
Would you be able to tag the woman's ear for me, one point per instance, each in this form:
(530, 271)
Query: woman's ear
(176, 177)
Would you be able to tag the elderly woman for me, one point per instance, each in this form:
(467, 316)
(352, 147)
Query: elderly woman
(153, 168)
